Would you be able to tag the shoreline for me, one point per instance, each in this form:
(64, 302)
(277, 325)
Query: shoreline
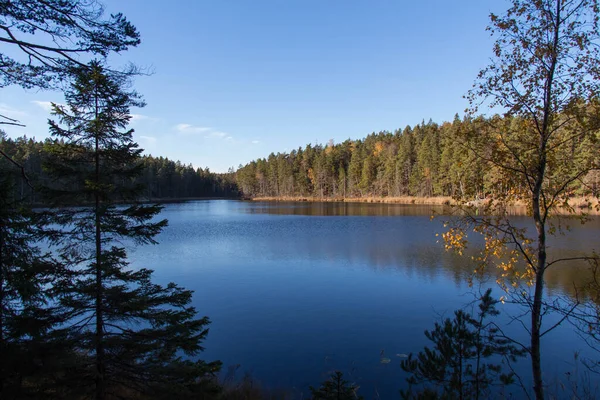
(580, 204)
(183, 199)
(439, 201)
(173, 200)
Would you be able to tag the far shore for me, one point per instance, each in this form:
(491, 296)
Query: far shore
(145, 200)
(578, 203)
(166, 200)
(440, 201)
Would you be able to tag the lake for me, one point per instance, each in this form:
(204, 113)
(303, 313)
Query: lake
(296, 290)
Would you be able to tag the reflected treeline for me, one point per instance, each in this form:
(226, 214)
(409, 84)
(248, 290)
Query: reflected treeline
(410, 244)
(348, 208)
(344, 209)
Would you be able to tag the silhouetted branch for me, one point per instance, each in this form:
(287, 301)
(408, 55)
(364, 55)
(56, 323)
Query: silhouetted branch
(10, 121)
(23, 174)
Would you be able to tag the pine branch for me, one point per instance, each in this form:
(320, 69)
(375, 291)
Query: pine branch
(21, 168)
(11, 121)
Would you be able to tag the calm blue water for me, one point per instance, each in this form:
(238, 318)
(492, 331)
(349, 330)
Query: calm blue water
(295, 291)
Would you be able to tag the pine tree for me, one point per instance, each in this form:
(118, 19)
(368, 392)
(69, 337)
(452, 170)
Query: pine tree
(129, 334)
(25, 272)
(335, 388)
(52, 35)
(463, 363)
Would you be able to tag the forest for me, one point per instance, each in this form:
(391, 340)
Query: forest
(426, 160)
(162, 179)
(78, 322)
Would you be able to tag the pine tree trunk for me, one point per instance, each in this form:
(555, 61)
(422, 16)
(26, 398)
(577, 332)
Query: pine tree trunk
(100, 370)
(1, 288)
(478, 360)
(99, 326)
(1, 302)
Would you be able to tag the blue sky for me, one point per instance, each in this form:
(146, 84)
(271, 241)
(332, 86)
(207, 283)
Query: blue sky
(234, 80)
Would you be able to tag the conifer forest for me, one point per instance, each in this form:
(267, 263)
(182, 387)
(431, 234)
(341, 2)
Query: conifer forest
(111, 253)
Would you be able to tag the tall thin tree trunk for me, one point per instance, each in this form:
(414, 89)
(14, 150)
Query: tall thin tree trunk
(540, 221)
(478, 361)
(1, 301)
(100, 369)
(536, 316)
(460, 371)
(536, 312)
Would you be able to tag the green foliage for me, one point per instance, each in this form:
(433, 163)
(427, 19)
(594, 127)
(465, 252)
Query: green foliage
(88, 325)
(462, 159)
(127, 334)
(52, 35)
(162, 179)
(25, 273)
(466, 359)
(335, 388)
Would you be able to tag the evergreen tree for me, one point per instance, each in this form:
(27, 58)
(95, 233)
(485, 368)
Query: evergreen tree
(367, 175)
(427, 160)
(25, 273)
(335, 388)
(355, 168)
(459, 366)
(52, 35)
(129, 335)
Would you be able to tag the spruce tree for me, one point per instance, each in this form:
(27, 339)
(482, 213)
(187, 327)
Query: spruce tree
(130, 335)
(42, 40)
(335, 388)
(26, 315)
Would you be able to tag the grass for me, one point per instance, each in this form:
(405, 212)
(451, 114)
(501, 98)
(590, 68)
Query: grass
(589, 205)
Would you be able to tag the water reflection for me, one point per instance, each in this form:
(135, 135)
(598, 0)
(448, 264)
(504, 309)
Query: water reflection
(295, 290)
(342, 209)
(406, 244)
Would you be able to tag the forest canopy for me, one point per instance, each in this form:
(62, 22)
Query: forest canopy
(425, 160)
(164, 179)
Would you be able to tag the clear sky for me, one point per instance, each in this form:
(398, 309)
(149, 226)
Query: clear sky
(235, 80)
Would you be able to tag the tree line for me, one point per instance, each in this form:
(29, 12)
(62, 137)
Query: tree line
(424, 160)
(162, 178)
